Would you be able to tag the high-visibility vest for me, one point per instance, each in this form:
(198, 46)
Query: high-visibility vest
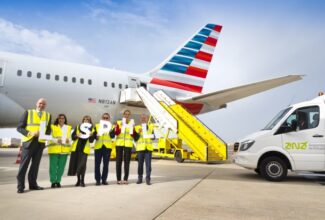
(33, 123)
(74, 144)
(56, 148)
(144, 143)
(104, 139)
(124, 139)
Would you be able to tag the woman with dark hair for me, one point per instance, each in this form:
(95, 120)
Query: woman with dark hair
(82, 136)
(58, 149)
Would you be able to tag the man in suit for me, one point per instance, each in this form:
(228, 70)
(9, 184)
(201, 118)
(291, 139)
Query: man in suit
(32, 149)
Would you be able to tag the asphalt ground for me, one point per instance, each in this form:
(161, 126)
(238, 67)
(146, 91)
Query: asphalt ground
(179, 191)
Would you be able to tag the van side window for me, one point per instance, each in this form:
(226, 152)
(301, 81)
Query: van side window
(302, 119)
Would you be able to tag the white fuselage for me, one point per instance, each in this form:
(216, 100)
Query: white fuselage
(60, 83)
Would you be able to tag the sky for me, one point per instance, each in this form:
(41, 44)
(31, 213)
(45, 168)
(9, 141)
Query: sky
(259, 40)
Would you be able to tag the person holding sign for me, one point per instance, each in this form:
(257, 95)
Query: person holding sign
(144, 147)
(32, 149)
(82, 136)
(58, 149)
(103, 148)
(124, 131)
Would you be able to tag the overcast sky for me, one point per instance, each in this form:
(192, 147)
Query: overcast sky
(259, 40)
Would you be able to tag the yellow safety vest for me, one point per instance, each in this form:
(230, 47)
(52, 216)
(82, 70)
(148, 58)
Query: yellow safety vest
(144, 143)
(33, 123)
(56, 148)
(104, 139)
(74, 144)
(124, 139)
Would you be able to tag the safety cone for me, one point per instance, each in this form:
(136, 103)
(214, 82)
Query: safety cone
(19, 156)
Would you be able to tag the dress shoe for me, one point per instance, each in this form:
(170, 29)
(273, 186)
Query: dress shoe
(125, 182)
(36, 188)
(77, 184)
(82, 184)
(119, 182)
(58, 185)
(97, 183)
(148, 182)
(105, 183)
(139, 181)
(20, 191)
(53, 185)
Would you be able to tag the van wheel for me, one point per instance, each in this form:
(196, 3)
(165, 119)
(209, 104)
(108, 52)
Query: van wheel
(178, 157)
(273, 169)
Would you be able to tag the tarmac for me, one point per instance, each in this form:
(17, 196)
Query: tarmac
(179, 191)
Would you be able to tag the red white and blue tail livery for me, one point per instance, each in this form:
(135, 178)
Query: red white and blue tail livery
(188, 67)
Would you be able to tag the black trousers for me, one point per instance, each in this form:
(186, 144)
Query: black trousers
(144, 156)
(31, 151)
(102, 154)
(123, 153)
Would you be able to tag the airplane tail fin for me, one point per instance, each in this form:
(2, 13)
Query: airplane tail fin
(187, 68)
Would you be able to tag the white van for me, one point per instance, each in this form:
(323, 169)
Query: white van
(294, 140)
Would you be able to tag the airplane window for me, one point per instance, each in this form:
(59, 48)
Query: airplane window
(65, 79)
(82, 81)
(113, 85)
(19, 72)
(48, 76)
(126, 86)
(1, 72)
(74, 79)
(105, 84)
(89, 81)
(57, 77)
(38, 75)
(120, 86)
(29, 74)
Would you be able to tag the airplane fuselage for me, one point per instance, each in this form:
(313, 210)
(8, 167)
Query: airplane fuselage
(73, 89)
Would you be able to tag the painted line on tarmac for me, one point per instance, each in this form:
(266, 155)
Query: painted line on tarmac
(184, 194)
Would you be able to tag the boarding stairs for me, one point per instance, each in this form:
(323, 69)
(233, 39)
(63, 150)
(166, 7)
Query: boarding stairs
(205, 145)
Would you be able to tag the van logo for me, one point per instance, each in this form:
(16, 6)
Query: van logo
(296, 145)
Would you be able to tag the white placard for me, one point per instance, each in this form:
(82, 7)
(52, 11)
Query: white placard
(104, 127)
(42, 132)
(145, 132)
(125, 125)
(85, 127)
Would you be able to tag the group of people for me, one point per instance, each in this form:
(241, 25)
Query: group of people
(121, 134)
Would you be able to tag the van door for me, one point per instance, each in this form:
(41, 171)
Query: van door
(2, 72)
(306, 142)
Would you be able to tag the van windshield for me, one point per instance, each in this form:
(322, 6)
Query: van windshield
(276, 119)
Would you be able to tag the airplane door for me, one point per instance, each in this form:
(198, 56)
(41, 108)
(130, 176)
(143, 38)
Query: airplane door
(134, 82)
(2, 72)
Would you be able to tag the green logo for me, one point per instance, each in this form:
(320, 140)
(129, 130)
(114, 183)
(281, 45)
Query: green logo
(296, 145)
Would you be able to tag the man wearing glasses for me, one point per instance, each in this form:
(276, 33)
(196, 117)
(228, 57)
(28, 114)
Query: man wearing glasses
(103, 149)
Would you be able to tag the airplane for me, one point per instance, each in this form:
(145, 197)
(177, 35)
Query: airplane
(78, 89)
